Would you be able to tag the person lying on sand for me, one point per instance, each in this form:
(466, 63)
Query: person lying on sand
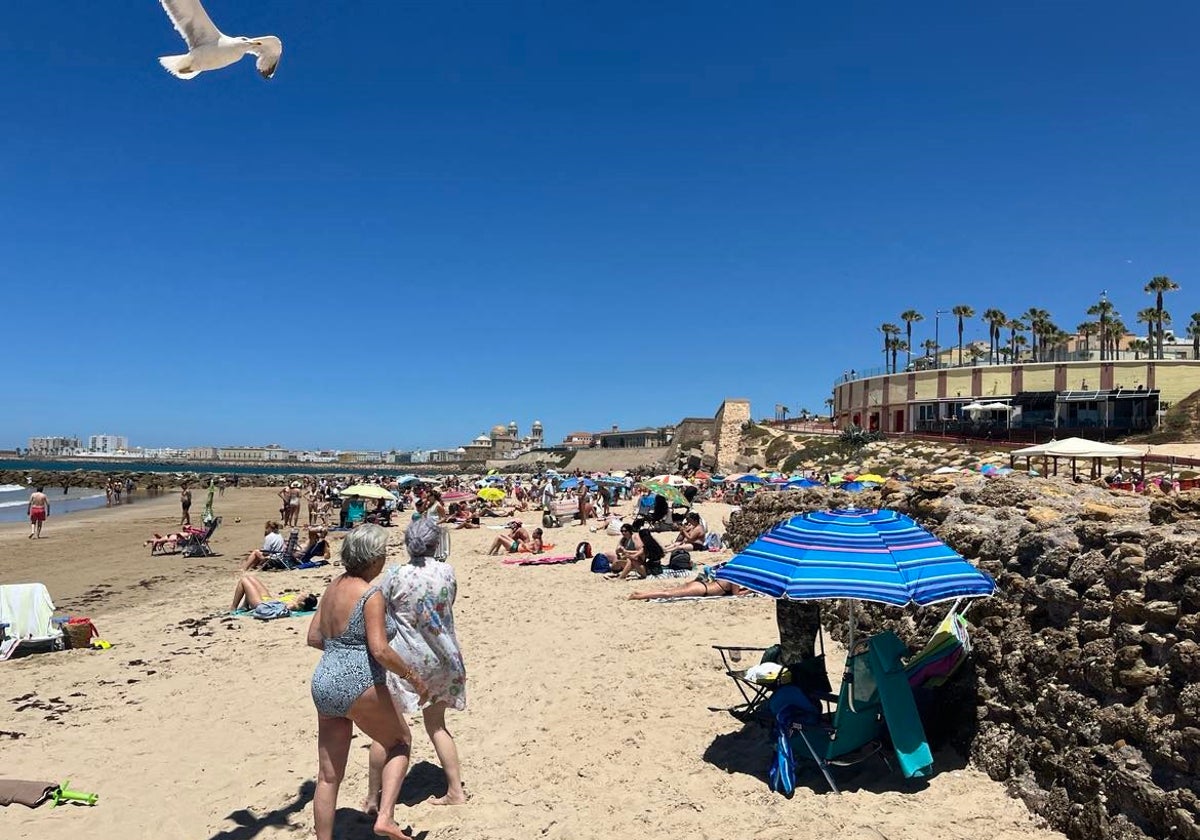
(698, 588)
(251, 591)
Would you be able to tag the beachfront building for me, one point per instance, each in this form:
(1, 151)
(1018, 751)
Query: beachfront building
(636, 438)
(503, 442)
(252, 454)
(108, 444)
(1088, 398)
(579, 440)
(52, 446)
(447, 456)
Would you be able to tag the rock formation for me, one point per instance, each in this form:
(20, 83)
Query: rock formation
(1083, 688)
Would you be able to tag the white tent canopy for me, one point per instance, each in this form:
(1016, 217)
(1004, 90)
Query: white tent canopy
(996, 406)
(1081, 448)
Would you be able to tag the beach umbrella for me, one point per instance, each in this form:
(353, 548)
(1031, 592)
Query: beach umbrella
(491, 494)
(572, 483)
(369, 491)
(672, 480)
(989, 469)
(801, 484)
(611, 479)
(702, 476)
(405, 480)
(672, 494)
(836, 478)
(858, 554)
(493, 479)
(871, 478)
(946, 470)
(749, 479)
(853, 487)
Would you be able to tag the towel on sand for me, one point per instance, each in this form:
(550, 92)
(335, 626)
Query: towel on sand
(28, 610)
(17, 792)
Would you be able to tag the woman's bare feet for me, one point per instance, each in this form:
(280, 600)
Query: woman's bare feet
(459, 798)
(388, 828)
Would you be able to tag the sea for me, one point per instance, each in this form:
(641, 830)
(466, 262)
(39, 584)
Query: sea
(15, 497)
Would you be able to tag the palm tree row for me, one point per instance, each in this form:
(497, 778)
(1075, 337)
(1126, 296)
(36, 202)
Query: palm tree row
(1046, 340)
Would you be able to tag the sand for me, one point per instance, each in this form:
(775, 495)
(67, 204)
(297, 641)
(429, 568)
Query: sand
(587, 712)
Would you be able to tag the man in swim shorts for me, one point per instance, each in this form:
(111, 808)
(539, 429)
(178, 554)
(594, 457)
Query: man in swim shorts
(39, 509)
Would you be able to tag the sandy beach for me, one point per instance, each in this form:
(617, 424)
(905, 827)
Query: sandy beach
(587, 712)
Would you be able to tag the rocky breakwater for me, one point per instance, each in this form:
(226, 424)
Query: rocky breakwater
(1083, 690)
(144, 480)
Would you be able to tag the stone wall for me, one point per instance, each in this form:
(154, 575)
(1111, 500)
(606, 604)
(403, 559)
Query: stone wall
(731, 416)
(1083, 689)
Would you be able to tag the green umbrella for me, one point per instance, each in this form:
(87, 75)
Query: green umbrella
(671, 494)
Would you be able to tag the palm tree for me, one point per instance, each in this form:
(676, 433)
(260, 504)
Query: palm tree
(1193, 332)
(1116, 331)
(1037, 320)
(1086, 330)
(929, 345)
(1019, 341)
(1159, 286)
(976, 353)
(897, 345)
(1149, 317)
(910, 317)
(1139, 346)
(1105, 311)
(889, 331)
(995, 320)
(829, 405)
(1014, 326)
(962, 311)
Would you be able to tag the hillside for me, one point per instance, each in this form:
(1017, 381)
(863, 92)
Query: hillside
(1180, 425)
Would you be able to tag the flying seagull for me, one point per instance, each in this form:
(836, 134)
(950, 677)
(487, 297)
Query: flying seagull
(211, 49)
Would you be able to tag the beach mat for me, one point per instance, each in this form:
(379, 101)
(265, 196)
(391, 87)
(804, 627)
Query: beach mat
(704, 598)
(19, 792)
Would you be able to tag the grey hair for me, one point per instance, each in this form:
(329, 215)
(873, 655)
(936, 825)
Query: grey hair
(422, 538)
(362, 547)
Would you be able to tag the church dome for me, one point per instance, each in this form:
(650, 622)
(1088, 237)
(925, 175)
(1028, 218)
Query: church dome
(484, 438)
(537, 424)
(498, 431)
(512, 427)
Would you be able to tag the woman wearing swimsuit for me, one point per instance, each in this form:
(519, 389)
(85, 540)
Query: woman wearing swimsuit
(704, 585)
(349, 686)
(691, 534)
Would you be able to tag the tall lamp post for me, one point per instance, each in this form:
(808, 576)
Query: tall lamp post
(937, 350)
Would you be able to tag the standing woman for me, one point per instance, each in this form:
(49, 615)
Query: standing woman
(420, 596)
(349, 686)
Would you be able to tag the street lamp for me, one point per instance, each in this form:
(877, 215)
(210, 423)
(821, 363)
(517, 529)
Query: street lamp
(937, 344)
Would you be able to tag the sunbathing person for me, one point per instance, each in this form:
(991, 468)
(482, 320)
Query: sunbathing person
(273, 546)
(646, 559)
(698, 588)
(512, 542)
(627, 547)
(251, 592)
(691, 534)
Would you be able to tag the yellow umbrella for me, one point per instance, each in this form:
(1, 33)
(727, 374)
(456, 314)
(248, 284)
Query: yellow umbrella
(369, 491)
(491, 494)
(872, 478)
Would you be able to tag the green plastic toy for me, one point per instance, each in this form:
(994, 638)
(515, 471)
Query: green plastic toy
(63, 793)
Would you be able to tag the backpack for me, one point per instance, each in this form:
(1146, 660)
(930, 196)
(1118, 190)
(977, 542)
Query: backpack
(268, 610)
(712, 542)
(680, 559)
(583, 551)
(600, 564)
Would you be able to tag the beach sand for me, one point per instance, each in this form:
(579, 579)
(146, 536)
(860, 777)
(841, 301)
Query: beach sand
(587, 712)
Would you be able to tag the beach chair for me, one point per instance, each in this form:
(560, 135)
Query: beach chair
(27, 622)
(197, 545)
(356, 512)
(874, 700)
(809, 676)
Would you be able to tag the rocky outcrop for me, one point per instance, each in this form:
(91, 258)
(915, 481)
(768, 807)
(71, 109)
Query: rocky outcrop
(1083, 694)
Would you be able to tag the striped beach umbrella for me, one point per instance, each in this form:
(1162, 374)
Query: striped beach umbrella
(869, 555)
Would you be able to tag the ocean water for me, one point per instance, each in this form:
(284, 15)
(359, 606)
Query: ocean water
(15, 497)
(137, 465)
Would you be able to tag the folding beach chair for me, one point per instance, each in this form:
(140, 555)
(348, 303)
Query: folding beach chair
(27, 621)
(197, 545)
(874, 699)
(809, 676)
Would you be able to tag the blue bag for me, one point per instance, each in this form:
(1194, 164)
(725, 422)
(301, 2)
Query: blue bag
(600, 564)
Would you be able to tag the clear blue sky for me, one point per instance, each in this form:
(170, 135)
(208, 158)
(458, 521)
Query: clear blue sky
(443, 215)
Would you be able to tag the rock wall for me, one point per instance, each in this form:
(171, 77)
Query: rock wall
(731, 417)
(1083, 691)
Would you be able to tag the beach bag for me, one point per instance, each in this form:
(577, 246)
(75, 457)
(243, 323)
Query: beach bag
(712, 542)
(583, 551)
(79, 633)
(549, 520)
(680, 559)
(600, 564)
(269, 610)
(613, 529)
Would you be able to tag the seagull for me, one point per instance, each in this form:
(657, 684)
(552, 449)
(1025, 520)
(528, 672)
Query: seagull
(211, 49)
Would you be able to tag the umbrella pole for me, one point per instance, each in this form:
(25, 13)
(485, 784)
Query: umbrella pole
(849, 653)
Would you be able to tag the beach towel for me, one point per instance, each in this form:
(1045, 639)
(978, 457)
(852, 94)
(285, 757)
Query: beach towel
(538, 560)
(28, 611)
(18, 792)
(705, 598)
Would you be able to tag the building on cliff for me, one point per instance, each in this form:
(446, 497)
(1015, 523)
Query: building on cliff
(1087, 397)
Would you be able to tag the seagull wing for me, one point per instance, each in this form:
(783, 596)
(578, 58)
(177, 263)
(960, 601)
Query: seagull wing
(268, 54)
(192, 22)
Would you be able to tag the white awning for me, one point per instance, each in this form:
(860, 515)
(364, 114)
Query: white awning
(1082, 448)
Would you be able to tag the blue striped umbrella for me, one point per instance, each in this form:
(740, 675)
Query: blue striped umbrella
(870, 555)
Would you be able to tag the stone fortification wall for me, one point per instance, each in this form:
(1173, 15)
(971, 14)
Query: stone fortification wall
(588, 460)
(1082, 693)
(731, 417)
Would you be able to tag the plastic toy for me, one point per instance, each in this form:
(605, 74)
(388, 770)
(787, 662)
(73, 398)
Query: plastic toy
(63, 793)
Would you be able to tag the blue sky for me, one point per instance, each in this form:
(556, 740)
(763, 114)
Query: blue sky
(443, 215)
